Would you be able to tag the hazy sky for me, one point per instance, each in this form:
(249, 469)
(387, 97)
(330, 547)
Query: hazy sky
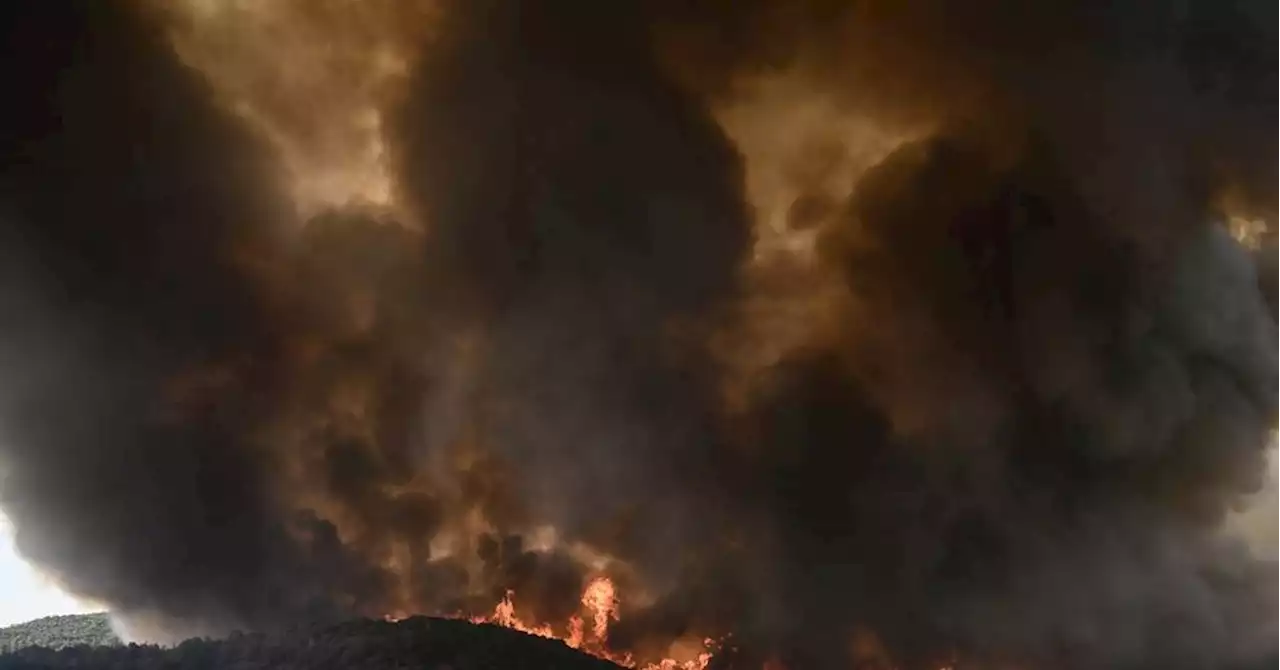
(24, 593)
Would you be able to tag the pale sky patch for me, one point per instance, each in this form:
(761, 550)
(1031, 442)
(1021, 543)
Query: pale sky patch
(25, 593)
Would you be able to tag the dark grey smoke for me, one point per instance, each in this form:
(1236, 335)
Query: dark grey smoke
(1053, 371)
(1084, 423)
(586, 215)
(1041, 412)
(130, 212)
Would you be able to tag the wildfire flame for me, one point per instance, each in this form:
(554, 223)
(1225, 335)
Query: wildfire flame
(600, 602)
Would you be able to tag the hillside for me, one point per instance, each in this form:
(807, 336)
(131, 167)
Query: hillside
(419, 642)
(56, 632)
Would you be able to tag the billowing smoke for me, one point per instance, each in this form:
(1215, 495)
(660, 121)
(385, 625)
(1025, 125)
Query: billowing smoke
(139, 360)
(872, 332)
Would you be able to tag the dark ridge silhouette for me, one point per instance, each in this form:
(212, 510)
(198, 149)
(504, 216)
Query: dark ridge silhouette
(418, 642)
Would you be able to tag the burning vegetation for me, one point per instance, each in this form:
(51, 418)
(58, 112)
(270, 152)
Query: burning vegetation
(762, 334)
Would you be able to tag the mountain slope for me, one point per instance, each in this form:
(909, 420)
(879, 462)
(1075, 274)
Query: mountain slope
(419, 642)
(57, 632)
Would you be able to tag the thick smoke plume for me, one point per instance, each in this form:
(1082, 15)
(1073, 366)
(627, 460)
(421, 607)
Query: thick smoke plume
(873, 332)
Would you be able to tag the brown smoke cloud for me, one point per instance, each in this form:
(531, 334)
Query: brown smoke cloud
(901, 330)
(312, 79)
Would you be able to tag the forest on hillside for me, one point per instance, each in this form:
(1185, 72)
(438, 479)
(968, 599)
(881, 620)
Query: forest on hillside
(419, 642)
(57, 632)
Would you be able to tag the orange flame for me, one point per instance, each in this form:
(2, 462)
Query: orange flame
(600, 599)
(574, 639)
(504, 614)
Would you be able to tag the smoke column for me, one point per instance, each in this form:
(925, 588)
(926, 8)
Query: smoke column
(869, 332)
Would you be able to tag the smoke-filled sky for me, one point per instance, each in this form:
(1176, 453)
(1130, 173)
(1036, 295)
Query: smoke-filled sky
(854, 331)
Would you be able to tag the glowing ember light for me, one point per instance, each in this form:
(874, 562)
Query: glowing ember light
(1248, 232)
(601, 600)
(774, 664)
(504, 614)
(574, 640)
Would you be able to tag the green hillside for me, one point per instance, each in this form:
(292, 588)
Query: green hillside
(56, 632)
